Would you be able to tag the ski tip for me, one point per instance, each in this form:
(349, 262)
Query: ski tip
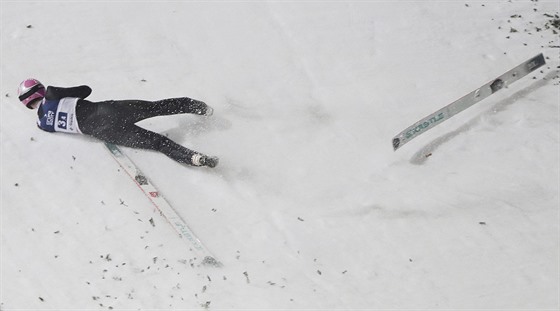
(396, 143)
(536, 62)
(210, 261)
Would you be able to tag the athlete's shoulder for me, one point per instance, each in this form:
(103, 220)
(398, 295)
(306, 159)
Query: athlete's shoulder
(56, 92)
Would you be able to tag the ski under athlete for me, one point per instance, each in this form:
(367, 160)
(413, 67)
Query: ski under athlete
(113, 121)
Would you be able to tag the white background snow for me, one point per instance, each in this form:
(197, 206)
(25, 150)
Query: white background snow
(310, 208)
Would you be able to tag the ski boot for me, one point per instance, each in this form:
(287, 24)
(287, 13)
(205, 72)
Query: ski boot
(203, 160)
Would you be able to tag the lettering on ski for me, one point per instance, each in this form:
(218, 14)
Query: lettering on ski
(203, 256)
(467, 101)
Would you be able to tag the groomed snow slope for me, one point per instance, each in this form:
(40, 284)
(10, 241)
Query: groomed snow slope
(310, 208)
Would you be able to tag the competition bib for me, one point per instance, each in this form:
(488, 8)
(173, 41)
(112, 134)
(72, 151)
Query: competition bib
(59, 116)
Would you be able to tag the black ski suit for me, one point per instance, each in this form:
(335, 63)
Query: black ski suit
(114, 121)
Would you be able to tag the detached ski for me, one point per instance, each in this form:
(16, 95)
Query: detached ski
(468, 100)
(202, 255)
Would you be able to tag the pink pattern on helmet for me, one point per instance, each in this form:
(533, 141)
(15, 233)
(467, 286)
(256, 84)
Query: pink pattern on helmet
(30, 90)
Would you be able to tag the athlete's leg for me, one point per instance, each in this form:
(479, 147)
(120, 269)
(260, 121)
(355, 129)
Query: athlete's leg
(137, 137)
(140, 109)
(113, 122)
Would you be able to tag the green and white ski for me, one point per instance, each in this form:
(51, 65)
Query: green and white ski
(467, 101)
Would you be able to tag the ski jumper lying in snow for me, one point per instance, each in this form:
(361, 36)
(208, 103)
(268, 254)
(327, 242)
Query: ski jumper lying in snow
(113, 121)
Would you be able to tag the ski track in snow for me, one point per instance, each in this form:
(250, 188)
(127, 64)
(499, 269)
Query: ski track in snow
(310, 208)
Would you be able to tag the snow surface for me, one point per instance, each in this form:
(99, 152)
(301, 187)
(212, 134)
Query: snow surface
(310, 208)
